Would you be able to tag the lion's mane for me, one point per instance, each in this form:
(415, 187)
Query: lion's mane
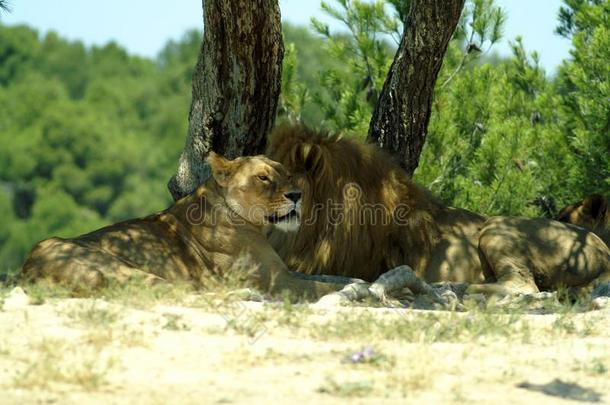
(362, 215)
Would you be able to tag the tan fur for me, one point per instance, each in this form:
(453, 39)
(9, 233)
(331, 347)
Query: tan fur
(441, 243)
(201, 235)
(591, 213)
(528, 255)
(402, 223)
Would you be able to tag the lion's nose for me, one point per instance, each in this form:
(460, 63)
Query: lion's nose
(293, 196)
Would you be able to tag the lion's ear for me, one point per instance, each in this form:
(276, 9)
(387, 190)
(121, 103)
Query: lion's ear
(595, 206)
(307, 156)
(222, 169)
(313, 158)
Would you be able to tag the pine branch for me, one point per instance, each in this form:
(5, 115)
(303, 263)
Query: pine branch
(5, 6)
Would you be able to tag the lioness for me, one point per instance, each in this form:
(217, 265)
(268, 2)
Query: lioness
(591, 213)
(200, 235)
(528, 255)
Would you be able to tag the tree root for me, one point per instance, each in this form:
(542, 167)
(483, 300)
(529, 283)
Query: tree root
(390, 285)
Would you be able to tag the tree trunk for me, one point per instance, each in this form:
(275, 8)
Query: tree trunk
(236, 85)
(400, 120)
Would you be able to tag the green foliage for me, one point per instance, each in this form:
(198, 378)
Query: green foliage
(294, 93)
(584, 84)
(348, 89)
(576, 15)
(494, 143)
(504, 138)
(480, 27)
(90, 135)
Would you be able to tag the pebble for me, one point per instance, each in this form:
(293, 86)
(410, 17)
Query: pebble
(600, 303)
(16, 299)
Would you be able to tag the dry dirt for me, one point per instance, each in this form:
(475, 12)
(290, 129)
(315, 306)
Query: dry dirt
(97, 351)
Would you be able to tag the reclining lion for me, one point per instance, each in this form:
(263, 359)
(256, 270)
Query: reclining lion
(521, 255)
(201, 235)
(362, 215)
(528, 255)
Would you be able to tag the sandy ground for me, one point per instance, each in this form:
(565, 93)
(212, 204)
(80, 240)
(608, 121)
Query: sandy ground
(94, 351)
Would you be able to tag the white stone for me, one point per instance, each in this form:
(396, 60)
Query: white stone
(600, 303)
(16, 299)
(332, 300)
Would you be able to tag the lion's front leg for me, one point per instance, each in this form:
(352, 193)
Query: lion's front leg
(505, 262)
(272, 275)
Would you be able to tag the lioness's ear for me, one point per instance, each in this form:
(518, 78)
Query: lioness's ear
(222, 169)
(595, 205)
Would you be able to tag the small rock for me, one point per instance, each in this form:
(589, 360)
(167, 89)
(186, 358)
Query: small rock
(16, 299)
(363, 356)
(335, 299)
(350, 293)
(248, 294)
(453, 302)
(600, 303)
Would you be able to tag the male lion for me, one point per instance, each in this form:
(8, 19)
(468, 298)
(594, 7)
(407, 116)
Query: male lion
(200, 235)
(362, 215)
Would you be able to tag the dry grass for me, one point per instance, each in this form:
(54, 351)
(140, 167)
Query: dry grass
(95, 314)
(174, 322)
(347, 388)
(455, 327)
(244, 349)
(53, 361)
(104, 325)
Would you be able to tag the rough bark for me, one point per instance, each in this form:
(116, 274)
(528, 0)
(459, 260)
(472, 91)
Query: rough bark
(400, 120)
(236, 85)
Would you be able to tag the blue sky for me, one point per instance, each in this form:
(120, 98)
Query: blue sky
(143, 26)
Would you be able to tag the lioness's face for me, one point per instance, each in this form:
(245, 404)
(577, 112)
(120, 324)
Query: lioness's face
(258, 189)
(591, 213)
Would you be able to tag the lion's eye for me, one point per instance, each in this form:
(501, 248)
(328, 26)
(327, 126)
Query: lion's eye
(263, 178)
